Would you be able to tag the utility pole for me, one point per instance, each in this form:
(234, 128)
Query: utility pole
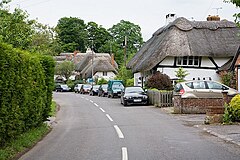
(92, 62)
(125, 51)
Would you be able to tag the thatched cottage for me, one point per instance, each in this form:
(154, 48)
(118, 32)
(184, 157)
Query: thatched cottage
(101, 65)
(200, 47)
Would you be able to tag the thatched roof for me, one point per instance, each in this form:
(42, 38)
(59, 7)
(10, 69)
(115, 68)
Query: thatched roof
(88, 57)
(187, 38)
(99, 65)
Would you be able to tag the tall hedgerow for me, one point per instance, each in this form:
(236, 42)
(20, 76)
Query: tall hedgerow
(24, 91)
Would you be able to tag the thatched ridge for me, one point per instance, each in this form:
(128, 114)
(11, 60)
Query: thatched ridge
(187, 38)
(99, 65)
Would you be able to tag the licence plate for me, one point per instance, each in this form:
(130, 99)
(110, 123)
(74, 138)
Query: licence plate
(137, 100)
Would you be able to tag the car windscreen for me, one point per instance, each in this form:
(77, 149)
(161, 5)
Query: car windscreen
(134, 90)
(117, 85)
(64, 86)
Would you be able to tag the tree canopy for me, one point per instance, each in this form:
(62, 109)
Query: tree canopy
(72, 34)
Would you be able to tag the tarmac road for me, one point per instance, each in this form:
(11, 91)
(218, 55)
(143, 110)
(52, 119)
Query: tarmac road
(100, 128)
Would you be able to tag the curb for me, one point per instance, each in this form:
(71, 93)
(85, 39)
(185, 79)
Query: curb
(219, 135)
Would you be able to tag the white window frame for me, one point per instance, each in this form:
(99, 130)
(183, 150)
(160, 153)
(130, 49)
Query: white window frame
(188, 61)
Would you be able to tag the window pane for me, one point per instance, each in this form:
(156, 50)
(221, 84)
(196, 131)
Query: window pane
(179, 60)
(198, 85)
(190, 60)
(185, 59)
(214, 85)
(196, 60)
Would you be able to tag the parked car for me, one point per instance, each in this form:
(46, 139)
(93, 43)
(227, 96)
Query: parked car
(202, 89)
(115, 87)
(102, 90)
(94, 90)
(62, 88)
(134, 95)
(85, 88)
(77, 88)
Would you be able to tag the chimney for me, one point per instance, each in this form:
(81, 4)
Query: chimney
(213, 18)
(170, 18)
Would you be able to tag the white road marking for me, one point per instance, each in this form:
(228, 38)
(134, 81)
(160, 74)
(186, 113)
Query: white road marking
(91, 101)
(87, 99)
(109, 117)
(102, 110)
(96, 104)
(119, 132)
(124, 153)
(82, 97)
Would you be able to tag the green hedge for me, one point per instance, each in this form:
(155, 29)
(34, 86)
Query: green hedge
(26, 81)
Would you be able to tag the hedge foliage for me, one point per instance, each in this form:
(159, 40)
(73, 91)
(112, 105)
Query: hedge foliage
(232, 111)
(26, 83)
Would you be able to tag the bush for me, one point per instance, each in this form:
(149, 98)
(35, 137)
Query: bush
(102, 81)
(232, 111)
(26, 83)
(159, 81)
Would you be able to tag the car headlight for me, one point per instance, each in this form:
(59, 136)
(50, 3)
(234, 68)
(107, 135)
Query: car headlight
(128, 97)
(145, 97)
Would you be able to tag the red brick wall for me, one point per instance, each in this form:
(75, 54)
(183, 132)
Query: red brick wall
(196, 105)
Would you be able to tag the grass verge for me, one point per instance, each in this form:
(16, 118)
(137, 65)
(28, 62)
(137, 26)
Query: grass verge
(17, 147)
(21, 144)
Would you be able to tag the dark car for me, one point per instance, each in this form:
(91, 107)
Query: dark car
(62, 88)
(85, 89)
(134, 95)
(115, 87)
(102, 91)
(94, 90)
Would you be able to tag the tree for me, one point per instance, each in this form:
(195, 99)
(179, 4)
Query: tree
(72, 34)
(126, 30)
(65, 69)
(43, 40)
(181, 74)
(97, 36)
(236, 15)
(15, 28)
(124, 74)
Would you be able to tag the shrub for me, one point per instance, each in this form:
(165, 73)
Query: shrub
(159, 81)
(102, 81)
(232, 111)
(26, 83)
(227, 78)
(181, 74)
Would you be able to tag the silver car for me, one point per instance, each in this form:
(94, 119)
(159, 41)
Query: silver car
(77, 88)
(202, 89)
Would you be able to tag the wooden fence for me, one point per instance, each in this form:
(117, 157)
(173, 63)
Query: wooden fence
(160, 99)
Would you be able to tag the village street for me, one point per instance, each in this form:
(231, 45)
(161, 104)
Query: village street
(100, 128)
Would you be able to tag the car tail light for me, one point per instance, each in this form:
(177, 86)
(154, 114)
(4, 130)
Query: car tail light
(182, 91)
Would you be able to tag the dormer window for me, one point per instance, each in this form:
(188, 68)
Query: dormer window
(188, 61)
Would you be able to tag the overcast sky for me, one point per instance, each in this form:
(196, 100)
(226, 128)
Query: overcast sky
(148, 14)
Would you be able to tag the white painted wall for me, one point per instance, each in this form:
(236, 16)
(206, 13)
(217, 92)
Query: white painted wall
(169, 61)
(110, 75)
(221, 60)
(137, 82)
(206, 62)
(193, 73)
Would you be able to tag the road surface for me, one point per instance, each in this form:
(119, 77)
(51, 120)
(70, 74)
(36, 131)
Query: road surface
(100, 128)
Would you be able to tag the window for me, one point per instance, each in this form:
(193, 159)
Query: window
(188, 61)
(214, 85)
(104, 73)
